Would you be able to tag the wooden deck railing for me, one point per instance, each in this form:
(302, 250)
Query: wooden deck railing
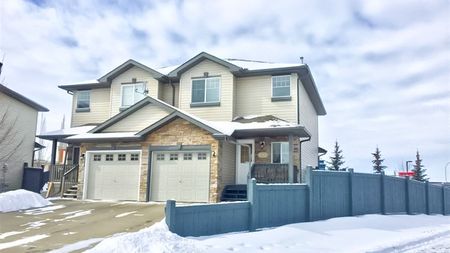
(270, 172)
(56, 172)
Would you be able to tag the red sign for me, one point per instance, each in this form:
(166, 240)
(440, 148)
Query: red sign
(406, 173)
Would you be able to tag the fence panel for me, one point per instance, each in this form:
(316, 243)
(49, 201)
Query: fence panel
(417, 197)
(366, 196)
(435, 199)
(281, 204)
(394, 195)
(33, 179)
(446, 200)
(210, 219)
(330, 194)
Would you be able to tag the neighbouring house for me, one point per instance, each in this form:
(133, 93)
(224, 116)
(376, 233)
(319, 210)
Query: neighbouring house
(18, 122)
(193, 132)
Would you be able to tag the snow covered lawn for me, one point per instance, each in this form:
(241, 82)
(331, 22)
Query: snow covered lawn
(368, 233)
(21, 199)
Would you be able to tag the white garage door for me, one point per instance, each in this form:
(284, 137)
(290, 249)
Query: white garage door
(183, 176)
(113, 175)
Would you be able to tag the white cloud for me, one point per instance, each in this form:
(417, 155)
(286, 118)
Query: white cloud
(381, 66)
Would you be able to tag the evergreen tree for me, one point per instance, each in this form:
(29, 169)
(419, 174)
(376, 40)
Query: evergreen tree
(337, 159)
(419, 170)
(378, 166)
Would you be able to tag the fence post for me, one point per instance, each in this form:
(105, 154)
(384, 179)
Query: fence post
(383, 193)
(170, 215)
(427, 198)
(351, 197)
(408, 206)
(309, 183)
(253, 199)
(444, 197)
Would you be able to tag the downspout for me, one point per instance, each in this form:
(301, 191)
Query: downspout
(173, 91)
(300, 155)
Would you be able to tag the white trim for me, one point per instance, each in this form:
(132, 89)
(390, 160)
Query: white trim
(238, 154)
(134, 92)
(281, 151)
(205, 78)
(290, 85)
(88, 158)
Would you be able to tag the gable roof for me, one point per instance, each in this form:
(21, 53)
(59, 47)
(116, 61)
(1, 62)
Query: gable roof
(126, 66)
(198, 58)
(21, 98)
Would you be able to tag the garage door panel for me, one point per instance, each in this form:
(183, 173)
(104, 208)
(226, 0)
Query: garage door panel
(115, 180)
(185, 179)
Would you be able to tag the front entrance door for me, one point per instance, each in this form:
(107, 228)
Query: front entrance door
(245, 156)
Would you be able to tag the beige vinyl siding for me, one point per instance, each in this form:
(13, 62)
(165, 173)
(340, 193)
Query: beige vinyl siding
(21, 120)
(309, 119)
(165, 93)
(228, 163)
(254, 97)
(224, 112)
(140, 119)
(99, 108)
(141, 76)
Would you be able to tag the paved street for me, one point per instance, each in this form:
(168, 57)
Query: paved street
(71, 221)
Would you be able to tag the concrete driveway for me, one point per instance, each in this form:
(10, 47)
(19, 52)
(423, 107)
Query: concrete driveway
(72, 224)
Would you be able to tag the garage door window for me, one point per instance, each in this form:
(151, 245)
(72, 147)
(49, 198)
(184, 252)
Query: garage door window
(109, 157)
(187, 156)
(122, 157)
(97, 157)
(134, 157)
(201, 156)
(160, 157)
(173, 157)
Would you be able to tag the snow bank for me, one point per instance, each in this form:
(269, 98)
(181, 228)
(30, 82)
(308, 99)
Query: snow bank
(368, 233)
(21, 199)
(156, 238)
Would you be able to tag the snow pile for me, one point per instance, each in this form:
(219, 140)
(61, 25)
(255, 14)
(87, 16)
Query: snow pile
(368, 233)
(156, 238)
(21, 199)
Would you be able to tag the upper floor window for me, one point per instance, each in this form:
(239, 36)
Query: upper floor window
(83, 100)
(280, 152)
(132, 93)
(206, 90)
(281, 86)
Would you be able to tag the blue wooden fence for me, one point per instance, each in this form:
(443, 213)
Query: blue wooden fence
(326, 194)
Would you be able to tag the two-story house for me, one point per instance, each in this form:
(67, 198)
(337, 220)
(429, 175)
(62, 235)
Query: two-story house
(193, 132)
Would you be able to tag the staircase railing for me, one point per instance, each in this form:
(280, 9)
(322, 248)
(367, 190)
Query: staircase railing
(69, 179)
(56, 172)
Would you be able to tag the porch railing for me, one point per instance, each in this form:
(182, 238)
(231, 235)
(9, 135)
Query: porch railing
(69, 179)
(270, 172)
(56, 172)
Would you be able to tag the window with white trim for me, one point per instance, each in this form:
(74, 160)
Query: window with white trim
(122, 157)
(280, 152)
(201, 156)
(281, 86)
(132, 93)
(97, 157)
(134, 157)
(173, 157)
(109, 157)
(160, 157)
(206, 90)
(83, 99)
(187, 156)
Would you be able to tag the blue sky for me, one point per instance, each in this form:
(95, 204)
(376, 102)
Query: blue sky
(382, 67)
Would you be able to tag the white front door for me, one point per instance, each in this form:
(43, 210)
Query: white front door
(245, 155)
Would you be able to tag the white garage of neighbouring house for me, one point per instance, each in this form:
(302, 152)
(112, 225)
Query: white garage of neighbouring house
(183, 176)
(112, 175)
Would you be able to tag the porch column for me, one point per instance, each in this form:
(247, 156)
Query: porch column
(291, 159)
(54, 144)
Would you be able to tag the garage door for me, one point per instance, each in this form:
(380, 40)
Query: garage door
(183, 176)
(113, 176)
